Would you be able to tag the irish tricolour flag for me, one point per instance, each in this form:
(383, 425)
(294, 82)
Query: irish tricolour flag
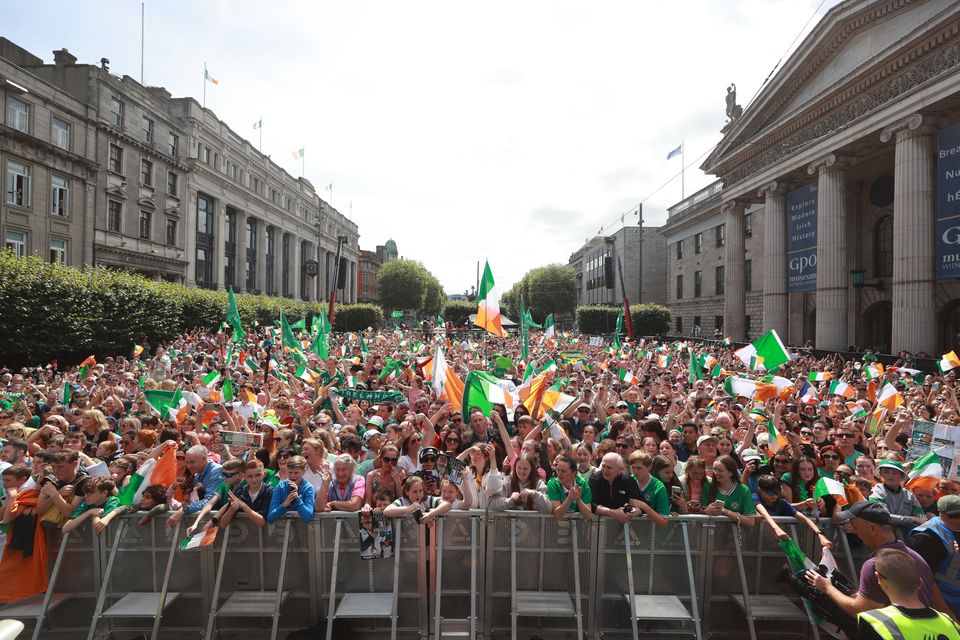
(488, 310)
(841, 388)
(830, 487)
(948, 361)
(926, 472)
(889, 397)
(767, 353)
(625, 376)
(483, 390)
(548, 330)
(153, 471)
(200, 539)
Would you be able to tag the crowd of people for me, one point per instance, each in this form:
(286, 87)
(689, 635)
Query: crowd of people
(647, 429)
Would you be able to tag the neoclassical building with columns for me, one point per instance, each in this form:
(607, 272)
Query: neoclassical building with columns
(835, 218)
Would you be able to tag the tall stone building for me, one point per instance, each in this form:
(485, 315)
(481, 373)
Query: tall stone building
(644, 267)
(841, 187)
(368, 286)
(168, 190)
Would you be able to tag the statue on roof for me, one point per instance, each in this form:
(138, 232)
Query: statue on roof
(734, 110)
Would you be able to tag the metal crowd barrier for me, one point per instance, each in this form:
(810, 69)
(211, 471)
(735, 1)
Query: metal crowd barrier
(471, 575)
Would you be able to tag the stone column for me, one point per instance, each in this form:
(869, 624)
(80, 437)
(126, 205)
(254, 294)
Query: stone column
(240, 266)
(262, 256)
(219, 242)
(190, 237)
(775, 301)
(295, 259)
(311, 283)
(735, 296)
(832, 271)
(914, 224)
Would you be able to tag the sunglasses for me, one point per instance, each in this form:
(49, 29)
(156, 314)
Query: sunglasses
(452, 440)
(229, 474)
(284, 455)
(621, 445)
(429, 459)
(844, 435)
(457, 419)
(782, 461)
(389, 460)
(830, 456)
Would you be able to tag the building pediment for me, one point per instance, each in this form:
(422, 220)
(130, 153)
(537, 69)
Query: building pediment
(173, 212)
(118, 192)
(861, 53)
(146, 203)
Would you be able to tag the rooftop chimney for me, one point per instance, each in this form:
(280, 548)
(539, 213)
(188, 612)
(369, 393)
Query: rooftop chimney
(62, 58)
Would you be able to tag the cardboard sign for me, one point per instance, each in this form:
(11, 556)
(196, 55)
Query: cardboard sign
(376, 535)
(596, 341)
(942, 439)
(241, 439)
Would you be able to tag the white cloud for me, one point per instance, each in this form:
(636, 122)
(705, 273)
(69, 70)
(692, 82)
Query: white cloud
(500, 130)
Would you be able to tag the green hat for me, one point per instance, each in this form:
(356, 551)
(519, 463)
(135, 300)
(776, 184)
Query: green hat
(892, 464)
(949, 506)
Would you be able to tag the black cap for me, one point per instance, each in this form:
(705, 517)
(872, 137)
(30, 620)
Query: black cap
(870, 511)
(429, 452)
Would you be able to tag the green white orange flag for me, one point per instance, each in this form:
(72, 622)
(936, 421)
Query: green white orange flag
(203, 538)
(925, 472)
(233, 317)
(211, 379)
(483, 390)
(875, 421)
(767, 353)
(873, 371)
(548, 330)
(841, 388)
(775, 441)
(209, 78)
(948, 361)
(488, 308)
(830, 487)
(625, 376)
(166, 403)
(161, 471)
(819, 376)
(889, 397)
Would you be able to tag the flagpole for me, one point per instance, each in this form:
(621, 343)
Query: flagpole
(260, 149)
(683, 166)
(204, 86)
(303, 164)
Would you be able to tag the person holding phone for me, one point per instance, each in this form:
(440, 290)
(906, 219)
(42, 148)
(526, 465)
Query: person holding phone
(727, 496)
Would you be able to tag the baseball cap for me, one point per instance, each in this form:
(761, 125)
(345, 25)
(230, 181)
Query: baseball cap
(583, 407)
(892, 464)
(750, 454)
(370, 434)
(870, 511)
(622, 403)
(704, 438)
(429, 452)
(949, 506)
(376, 421)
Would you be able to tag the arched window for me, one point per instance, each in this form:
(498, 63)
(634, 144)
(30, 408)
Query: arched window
(884, 247)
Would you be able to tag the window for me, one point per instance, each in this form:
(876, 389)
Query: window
(146, 172)
(204, 154)
(171, 183)
(172, 143)
(58, 251)
(721, 234)
(748, 275)
(61, 134)
(116, 112)
(146, 218)
(171, 232)
(718, 284)
(748, 225)
(216, 161)
(232, 171)
(274, 196)
(18, 184)
(697, 284)
(698, 243)
(18, 115)
(114, 215)
(204, 267)
(884, 248)
(59, 196)
(679, 287)
(147, 129)
(718, 323)
(679, 328)
(16, 241)
(255, 182)
(696, 324)
(116, 159)
(679, 249)
(204, 215)
(251, 232)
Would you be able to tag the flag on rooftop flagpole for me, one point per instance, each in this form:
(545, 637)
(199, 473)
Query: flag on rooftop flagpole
(488, 308)
(209, 78)
(675, 152)
(298, 153)
(767, 353)
(258, 123)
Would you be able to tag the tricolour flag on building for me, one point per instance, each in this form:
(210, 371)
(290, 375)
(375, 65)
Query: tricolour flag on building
(209, 78)
(841, 388)
(258, 123)
(767, 353)
(298, 154)
(819, 376)
(488, 308)
(925, 473)
(889, 397)
(948, 361)
(830, 487)
(200, 539)
(675, 152)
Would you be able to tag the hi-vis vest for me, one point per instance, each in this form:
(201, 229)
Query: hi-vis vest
(947, 574)
(890, 624)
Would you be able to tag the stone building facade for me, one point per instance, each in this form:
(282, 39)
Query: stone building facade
(368, 287)
(589, 261)
(845, 159)
(174, 193)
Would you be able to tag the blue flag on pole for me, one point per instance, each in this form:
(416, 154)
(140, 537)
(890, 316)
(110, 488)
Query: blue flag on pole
(675, 152)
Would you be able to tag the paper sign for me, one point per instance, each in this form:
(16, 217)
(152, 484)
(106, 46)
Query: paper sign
(241, 439)
(596, 341)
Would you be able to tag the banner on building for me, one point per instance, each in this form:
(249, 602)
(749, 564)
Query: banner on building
(948, 203)
(802, 239)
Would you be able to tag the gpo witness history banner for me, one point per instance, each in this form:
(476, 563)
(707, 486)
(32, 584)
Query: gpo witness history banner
(802, 239)
(948, 203)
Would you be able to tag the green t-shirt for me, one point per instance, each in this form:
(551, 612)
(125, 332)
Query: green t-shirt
(556, 492)
(738, 500)
(655, 495)
(787, 480)
(270, 477)
(112, 503)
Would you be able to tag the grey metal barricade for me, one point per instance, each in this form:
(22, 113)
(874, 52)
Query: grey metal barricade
(456, 575)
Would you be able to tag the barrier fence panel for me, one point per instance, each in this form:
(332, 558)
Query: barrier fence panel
(456, 575)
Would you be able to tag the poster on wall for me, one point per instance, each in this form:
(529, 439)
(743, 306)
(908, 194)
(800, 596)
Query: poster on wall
(802, 239)
(948, 203)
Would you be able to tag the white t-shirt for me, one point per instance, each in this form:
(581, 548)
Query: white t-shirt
(409, 465)
(313, 477)
(247, 410)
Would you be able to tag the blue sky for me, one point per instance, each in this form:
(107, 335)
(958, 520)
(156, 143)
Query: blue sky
(510, 131)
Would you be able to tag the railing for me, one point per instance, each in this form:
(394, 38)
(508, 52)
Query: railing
(472, 575)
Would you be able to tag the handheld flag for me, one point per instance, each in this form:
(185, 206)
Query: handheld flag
(925, 472)
(948, 362)
(548, 330)
(889, 397)
(200, 539)
(767, 353)
(483, 390)
(488, 309)
(233, 317)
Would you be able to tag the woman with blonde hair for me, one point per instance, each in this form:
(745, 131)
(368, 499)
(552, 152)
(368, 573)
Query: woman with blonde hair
(94, 425)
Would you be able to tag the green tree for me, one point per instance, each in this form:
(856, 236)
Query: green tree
(551, 289)
(403, 285)
(434, 299)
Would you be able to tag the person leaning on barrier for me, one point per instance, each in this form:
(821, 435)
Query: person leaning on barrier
(292, 494)
(567, 491)
(345, 491)
(770, 502)
(415, 502)
(524, 489)
(870, 521)
(936, 542)
(654, 500)
(905, 511)
(727, 495)
(207, 474)
(906, 617)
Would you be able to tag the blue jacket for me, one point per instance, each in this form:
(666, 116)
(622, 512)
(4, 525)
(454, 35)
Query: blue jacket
(302, 505)
(210, 478)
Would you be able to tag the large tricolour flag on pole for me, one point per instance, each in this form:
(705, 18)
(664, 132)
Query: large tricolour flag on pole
(488, 310)
(767, 353)
(444, 381)
(483, 390)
